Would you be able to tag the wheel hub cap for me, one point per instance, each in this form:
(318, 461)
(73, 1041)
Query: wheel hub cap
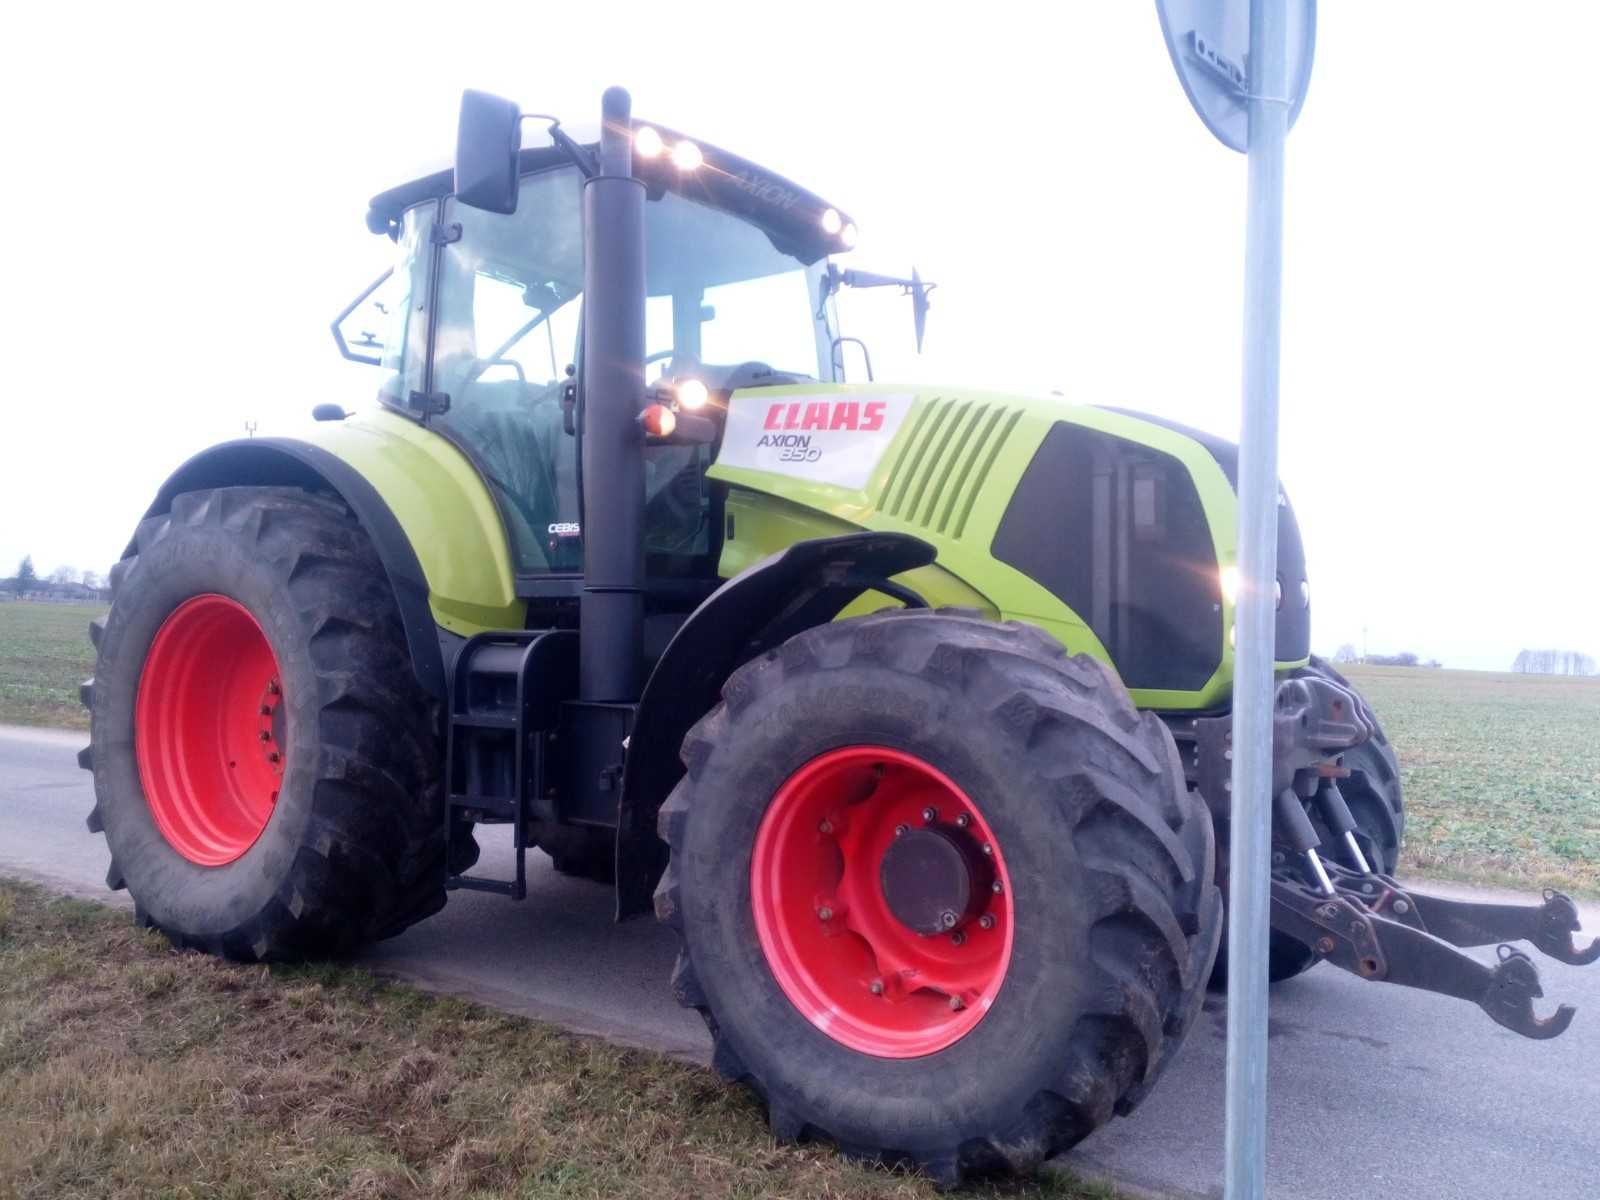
(934, 879)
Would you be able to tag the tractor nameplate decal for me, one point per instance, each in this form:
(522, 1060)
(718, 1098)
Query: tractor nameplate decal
(820, 438)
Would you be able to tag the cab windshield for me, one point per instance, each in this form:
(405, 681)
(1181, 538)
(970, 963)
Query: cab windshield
(507, 327)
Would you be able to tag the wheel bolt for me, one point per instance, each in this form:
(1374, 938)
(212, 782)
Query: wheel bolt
(996, 888)
(825, 827)
(825, 913)
(876, 987)
(957, 938)
(266, 710)
(1325, 945)
(1402, 907)
(948, 919)
(963, 820)
(264, 736)
(930, 815)
(956, 1004)
(986, 921)
(273, 757)
(900, 830)
(988, 850)
(272, 687)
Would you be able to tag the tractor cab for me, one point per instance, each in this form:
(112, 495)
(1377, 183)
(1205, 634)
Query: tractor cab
(487, 322)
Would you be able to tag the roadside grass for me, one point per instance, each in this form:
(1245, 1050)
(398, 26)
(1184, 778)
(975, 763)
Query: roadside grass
(130, 1069)
(1501, 773)
(44, 655)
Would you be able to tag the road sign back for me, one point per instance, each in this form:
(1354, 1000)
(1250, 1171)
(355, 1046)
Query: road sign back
(1209, 41)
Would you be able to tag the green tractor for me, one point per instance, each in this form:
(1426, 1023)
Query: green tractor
(906, 706)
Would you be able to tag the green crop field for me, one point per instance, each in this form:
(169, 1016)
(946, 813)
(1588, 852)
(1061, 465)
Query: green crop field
(44, 655)
(1501, 773)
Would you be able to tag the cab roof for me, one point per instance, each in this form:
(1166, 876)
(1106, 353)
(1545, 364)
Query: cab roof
(790, 215)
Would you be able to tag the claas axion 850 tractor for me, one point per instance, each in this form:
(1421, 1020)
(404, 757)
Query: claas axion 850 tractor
(907, 705)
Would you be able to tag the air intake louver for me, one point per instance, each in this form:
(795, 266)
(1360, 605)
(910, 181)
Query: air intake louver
(935, 480)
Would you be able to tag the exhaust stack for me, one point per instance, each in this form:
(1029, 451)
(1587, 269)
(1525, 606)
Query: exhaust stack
(611, 607)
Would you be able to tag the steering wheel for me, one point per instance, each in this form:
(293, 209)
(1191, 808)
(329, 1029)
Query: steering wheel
(658, 356)
(484, 364)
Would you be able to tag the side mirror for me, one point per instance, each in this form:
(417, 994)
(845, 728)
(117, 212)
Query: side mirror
(919, 305)
(488, 140)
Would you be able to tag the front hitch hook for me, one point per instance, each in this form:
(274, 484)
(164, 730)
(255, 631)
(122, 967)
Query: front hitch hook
(1558, 922)
(1509, 997)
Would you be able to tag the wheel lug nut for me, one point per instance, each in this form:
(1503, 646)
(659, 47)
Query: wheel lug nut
(825, 913)
(957, 938)
(996, 888)
(264, 736)
(266, 710)
(825, 827)
(273, 757)
(963, 820)
(272, 687)
(900, 830)
(876, 987)
(988, 850)
(1402, 907)
(948, 919)
(956, 1004)
(930, 815)
(986, 921)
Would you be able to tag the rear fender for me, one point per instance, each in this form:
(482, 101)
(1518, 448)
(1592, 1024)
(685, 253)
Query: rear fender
(806, 584)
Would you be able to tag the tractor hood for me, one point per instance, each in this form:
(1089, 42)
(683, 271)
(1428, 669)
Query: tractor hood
(1113, 531)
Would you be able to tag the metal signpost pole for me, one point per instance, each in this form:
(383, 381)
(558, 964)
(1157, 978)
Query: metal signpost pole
(1249, 841)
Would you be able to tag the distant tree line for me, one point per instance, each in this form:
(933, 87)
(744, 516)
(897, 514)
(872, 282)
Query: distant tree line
(1348, 654)
(1553, 662)
(64, 583)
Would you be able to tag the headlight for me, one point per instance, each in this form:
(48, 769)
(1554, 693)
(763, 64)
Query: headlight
(686, 156)
(1229, 578)
(647, 142)
(832, 222)
(691, 394)
(847, 235)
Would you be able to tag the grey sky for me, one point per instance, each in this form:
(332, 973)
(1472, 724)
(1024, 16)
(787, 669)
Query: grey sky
(186, 188)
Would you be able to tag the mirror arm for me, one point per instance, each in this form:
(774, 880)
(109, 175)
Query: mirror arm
(344, 314)
(584, 160)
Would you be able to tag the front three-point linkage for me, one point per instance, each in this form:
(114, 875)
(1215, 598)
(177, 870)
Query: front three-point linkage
(1362, 920)
(1379, 930)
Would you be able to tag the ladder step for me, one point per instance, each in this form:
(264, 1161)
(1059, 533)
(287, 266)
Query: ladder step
(484, 722)
(514, 888)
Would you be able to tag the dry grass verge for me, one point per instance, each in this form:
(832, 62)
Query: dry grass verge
(128, 1069)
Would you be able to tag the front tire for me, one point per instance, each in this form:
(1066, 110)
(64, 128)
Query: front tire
(267, 770)
(1082, 945)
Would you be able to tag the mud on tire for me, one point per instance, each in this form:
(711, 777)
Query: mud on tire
(353, 849)
(1116, 917)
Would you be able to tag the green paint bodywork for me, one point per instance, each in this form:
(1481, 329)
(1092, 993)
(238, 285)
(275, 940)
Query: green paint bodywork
(946, 477)
(445, 509)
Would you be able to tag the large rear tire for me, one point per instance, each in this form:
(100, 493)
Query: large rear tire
(267, 770)
(1058, 973)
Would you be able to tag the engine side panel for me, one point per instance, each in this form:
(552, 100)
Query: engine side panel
(944, 466)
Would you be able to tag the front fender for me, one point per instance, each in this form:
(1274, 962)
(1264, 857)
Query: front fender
(808, 583)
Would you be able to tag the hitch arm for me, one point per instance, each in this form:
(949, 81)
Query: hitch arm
(1549, 926)
(1348, 934)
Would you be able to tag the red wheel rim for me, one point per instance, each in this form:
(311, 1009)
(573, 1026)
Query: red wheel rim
(830, 936)
(208, 730)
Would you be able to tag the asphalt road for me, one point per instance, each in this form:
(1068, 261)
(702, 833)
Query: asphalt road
(1375, 1090)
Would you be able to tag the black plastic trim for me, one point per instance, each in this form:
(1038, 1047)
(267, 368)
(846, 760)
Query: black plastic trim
(803, 585)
